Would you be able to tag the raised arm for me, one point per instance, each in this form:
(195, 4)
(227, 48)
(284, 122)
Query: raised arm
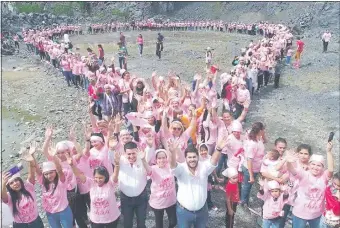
(173, 149)
(219, 147)
(330, 159)
(244, 112)
(59, 169)
(48, 137)
(75, 170)
(142, 155)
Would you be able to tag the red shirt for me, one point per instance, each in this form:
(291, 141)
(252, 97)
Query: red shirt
(300, 45)
(332, 203)
(231, 191)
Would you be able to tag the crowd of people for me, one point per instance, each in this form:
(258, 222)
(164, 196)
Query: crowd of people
(170, 133)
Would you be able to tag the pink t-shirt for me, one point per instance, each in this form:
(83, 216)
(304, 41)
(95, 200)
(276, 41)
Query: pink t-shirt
(104, 207)
(27, 207)
(309, 203)
(66, 66)
(98, 158)
(255, 151)
(69, 175)
(163, 191)
(84, 167)
(140, 40)
(57, 201)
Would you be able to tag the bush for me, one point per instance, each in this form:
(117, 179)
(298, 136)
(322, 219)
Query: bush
(118, 13)
(62, 8)
(29, 7)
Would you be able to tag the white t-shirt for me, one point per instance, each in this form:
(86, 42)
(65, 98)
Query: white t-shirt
(192, 189)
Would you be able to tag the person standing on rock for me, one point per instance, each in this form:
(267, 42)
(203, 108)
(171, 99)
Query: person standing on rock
(21, 197)
(326, 37)
(192, 176)
(300, 45)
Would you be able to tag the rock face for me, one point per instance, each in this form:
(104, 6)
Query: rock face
(308, 18)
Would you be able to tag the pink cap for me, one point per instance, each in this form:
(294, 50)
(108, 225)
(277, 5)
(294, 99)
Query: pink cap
(48, 166)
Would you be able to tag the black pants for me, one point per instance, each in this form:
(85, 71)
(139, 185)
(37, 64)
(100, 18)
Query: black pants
(276, 80)
(16, 44)
(266, 77)
(159, 49)
(170, 211)
(325, 45)
(78, 208)
(42, 55)
(37, 223)
(134, 205)
(259, 80)
(209, 202)
(97, 111)
(76, 79)
(54, 63)
(229, 220)
(113, 224)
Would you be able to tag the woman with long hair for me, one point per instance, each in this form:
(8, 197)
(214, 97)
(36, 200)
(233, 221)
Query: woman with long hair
(254, 153)
(54, 194)
(21, 198)
(104, 212)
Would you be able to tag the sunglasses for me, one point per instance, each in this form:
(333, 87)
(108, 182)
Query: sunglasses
(177, 128)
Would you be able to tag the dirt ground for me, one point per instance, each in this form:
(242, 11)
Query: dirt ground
(304, 109)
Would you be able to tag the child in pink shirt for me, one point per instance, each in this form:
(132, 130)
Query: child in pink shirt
(274, 199)
(289, 55)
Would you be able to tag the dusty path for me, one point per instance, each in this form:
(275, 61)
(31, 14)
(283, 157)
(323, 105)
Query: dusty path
(304, 109)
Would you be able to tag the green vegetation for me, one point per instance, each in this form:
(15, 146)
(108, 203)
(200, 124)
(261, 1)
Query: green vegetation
(62, 8)
(29, 7)
(118, 13)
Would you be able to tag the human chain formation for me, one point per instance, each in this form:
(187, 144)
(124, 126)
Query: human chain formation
(169, 133)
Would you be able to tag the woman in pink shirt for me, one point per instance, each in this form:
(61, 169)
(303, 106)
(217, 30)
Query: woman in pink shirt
(104, 212)
(54, 194)
(163, 191)
(140, 43)
(66, 68)
(254, 153)
(309, 203)
(21, 198)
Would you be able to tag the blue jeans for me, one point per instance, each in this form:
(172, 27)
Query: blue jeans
(249, 82)
(288, 59)
(286, 209)
(68, 76)
(271, 223)
(185, 218)
(246, 186)
(61, 219)
(301, 223)
(222, 163)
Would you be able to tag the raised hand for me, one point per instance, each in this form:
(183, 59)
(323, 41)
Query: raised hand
(223, 142)
(291, 156)
(117, 156)
(246, 104)
(72, 133)
(5, 177)
(113, 142)
(141, 154)
(173, 145)
(329, 146)
(87, 132)
(69, 159)
(48, 132)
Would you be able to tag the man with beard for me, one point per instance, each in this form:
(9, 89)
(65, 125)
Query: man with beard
(192, 176)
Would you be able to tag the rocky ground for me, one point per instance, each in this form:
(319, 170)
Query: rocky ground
(304, 109)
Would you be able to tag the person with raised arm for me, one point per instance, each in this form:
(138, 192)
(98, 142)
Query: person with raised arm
(309, 203)
(20, 195)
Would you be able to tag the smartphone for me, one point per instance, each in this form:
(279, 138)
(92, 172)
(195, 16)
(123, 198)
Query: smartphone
(330, 137)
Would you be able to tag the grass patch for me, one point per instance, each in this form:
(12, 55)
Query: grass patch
(29, 7)
(18, 114)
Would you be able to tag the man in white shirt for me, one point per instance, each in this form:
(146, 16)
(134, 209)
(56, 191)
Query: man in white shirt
(132, 182)
(192, 178)
(326, 37)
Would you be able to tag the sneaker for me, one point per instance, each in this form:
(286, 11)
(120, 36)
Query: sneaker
(213, 208)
